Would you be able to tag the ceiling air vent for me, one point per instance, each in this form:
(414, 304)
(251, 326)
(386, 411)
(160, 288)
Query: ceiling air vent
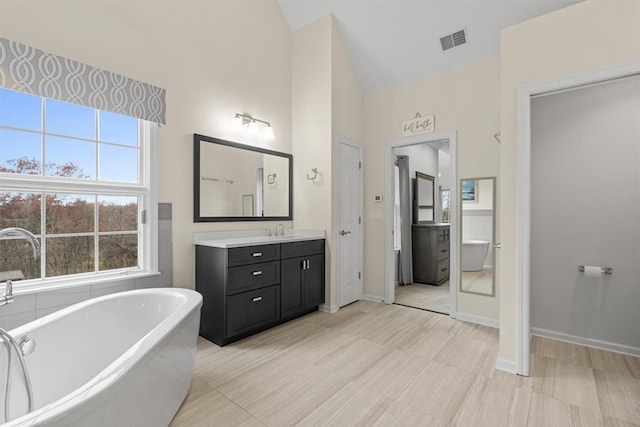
(453, 40)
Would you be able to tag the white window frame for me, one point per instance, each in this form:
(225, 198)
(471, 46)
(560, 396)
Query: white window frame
(147, 209)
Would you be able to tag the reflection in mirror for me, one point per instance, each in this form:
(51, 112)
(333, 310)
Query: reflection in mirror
(423, 199)
(235, 182)
(477, 253)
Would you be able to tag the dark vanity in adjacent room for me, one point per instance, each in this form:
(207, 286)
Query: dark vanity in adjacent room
(429, 240)
(251, 280)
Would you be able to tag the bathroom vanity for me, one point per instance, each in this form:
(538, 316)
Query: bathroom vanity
(251, 283)
(430, 246)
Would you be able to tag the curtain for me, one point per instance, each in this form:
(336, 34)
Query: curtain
(27, 69)
(405, 263)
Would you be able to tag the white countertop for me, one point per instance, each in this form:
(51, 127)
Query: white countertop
(235, 239)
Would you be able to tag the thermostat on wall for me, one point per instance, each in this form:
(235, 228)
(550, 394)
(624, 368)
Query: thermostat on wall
(377, 198)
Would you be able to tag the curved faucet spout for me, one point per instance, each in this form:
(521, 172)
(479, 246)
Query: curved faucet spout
(21, 232)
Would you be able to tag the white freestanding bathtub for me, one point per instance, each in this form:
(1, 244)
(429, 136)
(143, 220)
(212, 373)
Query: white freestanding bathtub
(124, 359)
(473, 254)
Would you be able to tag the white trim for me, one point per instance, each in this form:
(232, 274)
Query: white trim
(372, 298)
(336, 198)
(587, 342)
(479, 320)
(451, 136)
(506, 366)
(325, 308)
(523, 186)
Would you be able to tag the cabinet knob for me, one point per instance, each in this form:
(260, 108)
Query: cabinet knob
(257, 273)
(256, 299)
(257, 254)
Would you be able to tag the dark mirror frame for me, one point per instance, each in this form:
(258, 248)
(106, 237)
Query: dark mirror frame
(196, 181)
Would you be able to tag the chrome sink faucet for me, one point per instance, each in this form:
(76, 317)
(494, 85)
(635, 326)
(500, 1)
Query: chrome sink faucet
(7, 296)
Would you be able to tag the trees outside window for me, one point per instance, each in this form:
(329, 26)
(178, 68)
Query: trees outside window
(74, 176)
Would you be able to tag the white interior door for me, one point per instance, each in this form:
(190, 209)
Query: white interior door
(349, 224)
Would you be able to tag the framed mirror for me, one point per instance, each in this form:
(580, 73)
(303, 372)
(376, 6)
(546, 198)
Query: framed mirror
(423, 199)
(477, 254)
(237, 182)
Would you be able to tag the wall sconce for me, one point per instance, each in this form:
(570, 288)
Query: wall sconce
(251, 123)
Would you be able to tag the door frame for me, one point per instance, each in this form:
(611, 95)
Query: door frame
(336, 198)
(454, 275)
(523, 187)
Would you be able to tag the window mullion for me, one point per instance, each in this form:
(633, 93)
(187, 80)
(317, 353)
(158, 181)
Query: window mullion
(95, 235)
(43, 232)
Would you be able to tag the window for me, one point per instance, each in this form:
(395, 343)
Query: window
(79, 179)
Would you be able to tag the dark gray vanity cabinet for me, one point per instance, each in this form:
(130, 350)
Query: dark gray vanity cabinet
(302, 277)
(430, 247)
(248, 289)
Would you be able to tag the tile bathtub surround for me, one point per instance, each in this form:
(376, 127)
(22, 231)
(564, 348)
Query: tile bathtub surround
(387, 365)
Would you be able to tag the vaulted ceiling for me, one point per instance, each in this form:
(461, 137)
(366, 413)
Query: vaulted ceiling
(396, 41)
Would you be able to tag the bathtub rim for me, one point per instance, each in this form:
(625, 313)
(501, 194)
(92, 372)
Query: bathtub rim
(117, 370)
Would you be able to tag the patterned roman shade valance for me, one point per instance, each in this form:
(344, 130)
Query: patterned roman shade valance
(31, 70)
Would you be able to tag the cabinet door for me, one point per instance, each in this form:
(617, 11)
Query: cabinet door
(314, 281)
(291, 286)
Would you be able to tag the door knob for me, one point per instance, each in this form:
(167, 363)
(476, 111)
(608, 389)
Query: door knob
(497, 245)
(342, 232)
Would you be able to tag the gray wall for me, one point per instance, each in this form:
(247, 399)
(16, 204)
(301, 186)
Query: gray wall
(26, 308)
(586, 210)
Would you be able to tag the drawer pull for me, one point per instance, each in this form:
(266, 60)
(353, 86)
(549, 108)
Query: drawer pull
(257, 254)
(257, 273)
(256, 299)
(443, 269)
(444, 250)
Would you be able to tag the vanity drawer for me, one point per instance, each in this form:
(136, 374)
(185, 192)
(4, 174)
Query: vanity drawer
(443, 270)
(308, 247)
(252, 254)
(443, 251)
(252, 276)
(253, 309)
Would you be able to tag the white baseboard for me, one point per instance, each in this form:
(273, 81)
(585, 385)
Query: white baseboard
(506, 366)
(372, 298)
(588, 342)
(328, 308)
(480, 320)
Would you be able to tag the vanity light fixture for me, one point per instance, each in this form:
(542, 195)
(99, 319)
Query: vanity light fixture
(251, 123)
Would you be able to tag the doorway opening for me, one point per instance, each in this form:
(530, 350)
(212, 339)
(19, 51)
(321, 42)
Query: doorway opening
(524, 201)
(421, 228)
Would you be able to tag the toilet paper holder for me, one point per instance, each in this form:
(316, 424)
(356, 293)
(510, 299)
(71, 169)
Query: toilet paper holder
(605, 270)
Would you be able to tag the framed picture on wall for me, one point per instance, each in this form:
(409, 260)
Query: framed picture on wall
(469, 190)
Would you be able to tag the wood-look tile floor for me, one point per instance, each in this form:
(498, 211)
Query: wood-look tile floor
(427, 297)
(388, 365)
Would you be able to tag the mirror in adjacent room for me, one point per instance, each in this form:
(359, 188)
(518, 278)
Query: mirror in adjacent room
(237, 182)
(477, 253)
(423, 199)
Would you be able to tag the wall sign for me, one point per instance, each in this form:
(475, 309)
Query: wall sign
(418, 125)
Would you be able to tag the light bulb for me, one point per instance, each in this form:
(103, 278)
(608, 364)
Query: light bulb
(268, 132)
(253, 127)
